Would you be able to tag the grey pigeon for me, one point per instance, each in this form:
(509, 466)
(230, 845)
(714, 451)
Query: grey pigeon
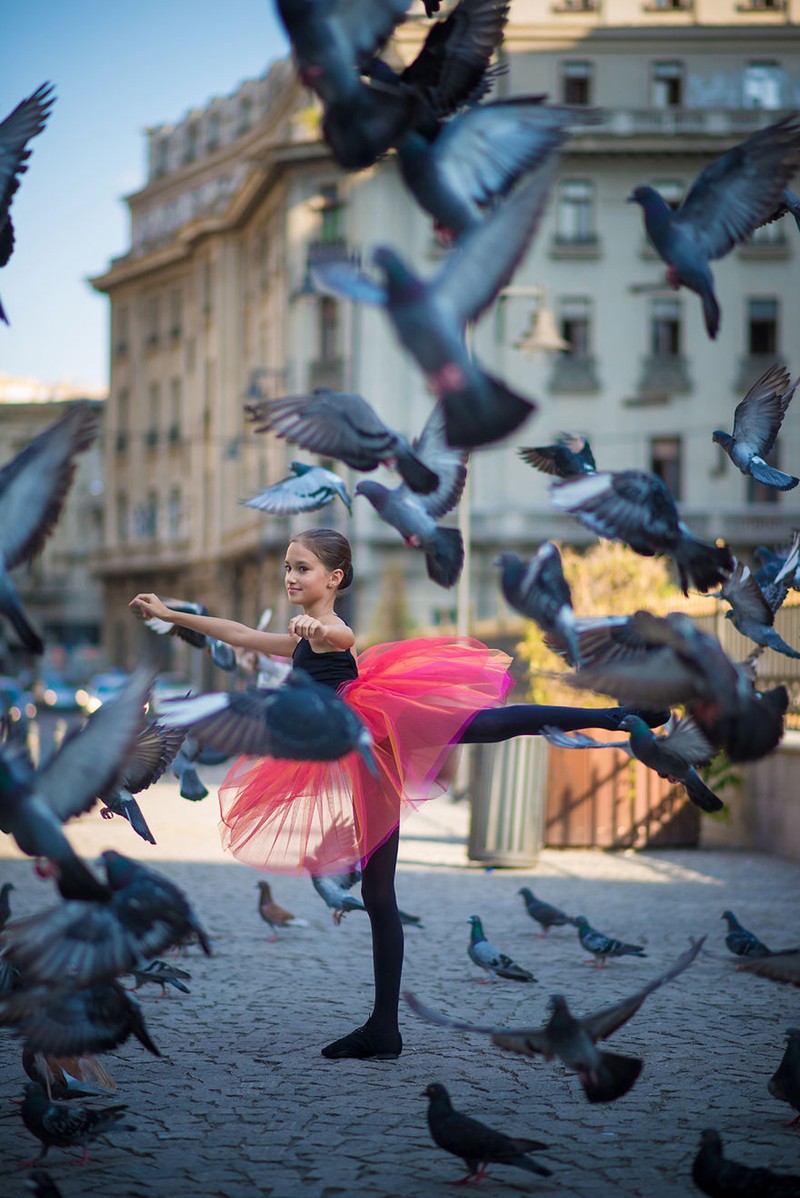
(306, 489)
(753, 610)
(727, 201)
(5, 903)
(300, 720)
(570, 457)
(740, 941)
(65, 1125)
(26, 121)
(604, 1076)
(545, 915)
(221, 654)
(538, 590)
(674, 756)
(602, 946)
(477, 1144)
(789, 204)
(714, 1174)
(785, 1081)
(153, 750)
(771, 564)
(430, 318)
(635, 507)
(342, 426)
(33, 490)
(67, 1022)
(756, 423)
(333, 890)
(161, 973)
(485, 955)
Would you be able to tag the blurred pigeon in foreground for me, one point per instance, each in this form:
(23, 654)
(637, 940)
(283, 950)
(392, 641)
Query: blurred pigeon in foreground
(68, 1023)
(570, 457)
(635, 507)
(5, 903)
(756, 423)
(273, 914)
(538, 590)
(152, 752)
(68, 1077)
(25, 122)
(306, 489)
(728, 200)
(603, 1075)
(780, 966)
(65, 1125)
(429, 318)
(221, 654)
(301, 720)
(477, 1144)
(740, 941)
(601, 946)
(545, 915)
(345, 427)
(33, 490)
(717, 1176)
(41, 1184)
(753, 610)
(785, 1081)
(484, 954)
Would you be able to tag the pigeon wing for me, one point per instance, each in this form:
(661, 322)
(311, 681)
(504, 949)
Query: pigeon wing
(345, 280)
(449, 463)
(331, 423)
(154, 750)
(26, 121)
(367, 23)
(452, 66)
(307, 492)
(687, 744)
(602, 1023)
(745, 595)
(577, 740)
(235, 722)
(527, 1041)
(757, 419)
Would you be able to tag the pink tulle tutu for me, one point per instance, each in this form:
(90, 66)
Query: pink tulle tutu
(415, 697)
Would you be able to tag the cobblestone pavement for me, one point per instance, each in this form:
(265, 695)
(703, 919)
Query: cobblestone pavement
(243, 1104)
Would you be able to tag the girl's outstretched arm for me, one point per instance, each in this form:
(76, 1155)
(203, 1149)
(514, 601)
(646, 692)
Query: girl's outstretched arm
(229, 631)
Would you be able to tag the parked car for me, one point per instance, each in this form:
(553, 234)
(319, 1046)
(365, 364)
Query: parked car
(102, 687)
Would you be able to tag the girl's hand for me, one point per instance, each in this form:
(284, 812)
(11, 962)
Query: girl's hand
(148, 605)
(307, 628)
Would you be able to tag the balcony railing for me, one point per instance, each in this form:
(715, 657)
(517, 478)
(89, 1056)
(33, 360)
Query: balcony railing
(575, 374)
(664, 374)
(708, 122)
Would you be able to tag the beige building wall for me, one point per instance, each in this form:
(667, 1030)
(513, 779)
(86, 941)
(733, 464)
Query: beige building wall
(213, 300)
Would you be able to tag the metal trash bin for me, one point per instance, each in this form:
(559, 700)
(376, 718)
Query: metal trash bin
(508, 783)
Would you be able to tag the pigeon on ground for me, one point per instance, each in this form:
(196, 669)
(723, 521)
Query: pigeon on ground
(753, 610)
(477, 1144)
(756, 424)
(161, 973)
(71, 1023)
(65, 1125)
(728, 200)
(41, 1184)
(26, 121)
(306, 489)
(785, 1081)
(603, 1075)
(154, 749)
(221, 654)
(780, 966)
(300, 720)
(484, 954)
(33, 490)
(273, 914)
(635, 507)
(719, 1177)
(570, 457)
(5, 903)
(429, 318)
(539, 591)
(601, 946)
(345, 427)
(740, 941)
(64, 1078)
(546, 916)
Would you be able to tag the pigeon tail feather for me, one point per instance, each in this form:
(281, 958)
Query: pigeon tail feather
(700, 565)
(770, 477)
(445, 560)
(710, 313)
(472, 419)
(700, 794)
(416, 475)
(613, 1078)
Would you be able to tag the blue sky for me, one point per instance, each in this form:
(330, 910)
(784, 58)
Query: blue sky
(118, 68)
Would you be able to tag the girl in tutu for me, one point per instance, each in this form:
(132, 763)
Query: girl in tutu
(418, 698)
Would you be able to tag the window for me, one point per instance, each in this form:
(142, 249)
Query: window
(154, 408)
(665, 328)
(665, 463)
(191, 142)
(152, 321)
(174, 514)
(574, 326)
(212, 131)
(208, 288)
(245, 114)
(328, 329)
(666, 84)
(762, 326)
(175, 410)
(121, 332)
(575, 217)
(175, 313)
(761, 85)
(329, 206)
(576, 82)
(123, 517)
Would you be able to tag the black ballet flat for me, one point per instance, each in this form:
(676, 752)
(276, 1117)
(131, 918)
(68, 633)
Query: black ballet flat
(364, 1044)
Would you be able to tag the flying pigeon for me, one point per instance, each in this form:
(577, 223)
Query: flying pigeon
(333, 890)
(756, 423)
(273, 914)
(716, 1175)
(429, 318)
(300, 720)
(545, 915)
(306, 489)
(603, 1075)
(601, 946)
(161, 973)
(740, 941)
(730, 198)
(63, 1124)
(153, 750)
(753, 610)
(785, 1081)
(69, 1023)
(771, 564)
(63, 1078)
(570, 457)
(539, 591)
(33, 490)
(221, 654)
(484, 954)
(345, 427)
(477, 1144)
(674, 756)
(26, 121)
